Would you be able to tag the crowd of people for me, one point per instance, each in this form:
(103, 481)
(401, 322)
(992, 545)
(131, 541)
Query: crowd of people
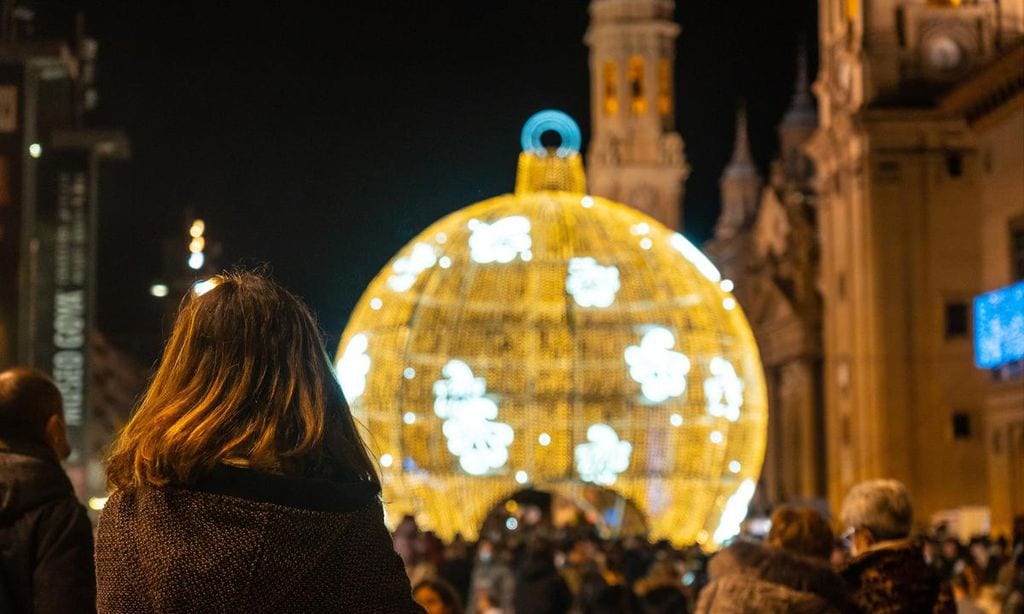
(799, 566)
(240, 484)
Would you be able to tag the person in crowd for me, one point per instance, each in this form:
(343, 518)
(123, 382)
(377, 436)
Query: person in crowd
(539, 588)
(789, 573)
(492, 578)
(963, 592)
(437, 597)
(887, 572)
(457, 567)
(46, 563)
(661, 590)
(240, 483)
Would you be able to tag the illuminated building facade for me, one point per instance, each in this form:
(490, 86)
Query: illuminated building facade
(554, 340)
(50, 169)
(635, 155)
(765, 243)
(921, 192)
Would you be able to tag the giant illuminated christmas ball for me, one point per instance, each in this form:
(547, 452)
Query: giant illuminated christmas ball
(558, 341)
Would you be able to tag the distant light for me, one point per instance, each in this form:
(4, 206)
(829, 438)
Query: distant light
(729, 303)
(197, 229)
(197, 245)
(587, 202)
(727, 285)
(202, 287)
(159, 290)
(386, 460)
(716, 437)
(97, 503)
(409, 418)
(544, 439)
(676, 420)
(445, 262)
(734, 466)
(409, 373)
(376, 303)
(511, 524)
(689, 578)
(35, 150)
(196, 260)
(646, 243)
(522, 477)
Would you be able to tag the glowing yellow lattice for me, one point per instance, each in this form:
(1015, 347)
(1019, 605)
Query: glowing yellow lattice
(550, 337)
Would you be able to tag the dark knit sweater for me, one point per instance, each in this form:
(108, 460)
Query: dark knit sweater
(240, 541)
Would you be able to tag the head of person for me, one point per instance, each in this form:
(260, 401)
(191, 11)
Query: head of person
(32, 411)
(802, 531)
(437, 597)
(244, 379)
(877, 511)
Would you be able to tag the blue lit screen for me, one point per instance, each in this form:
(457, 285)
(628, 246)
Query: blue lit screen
(999, 327)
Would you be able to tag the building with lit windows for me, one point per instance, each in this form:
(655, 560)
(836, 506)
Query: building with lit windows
(920, 182)
(635, 154)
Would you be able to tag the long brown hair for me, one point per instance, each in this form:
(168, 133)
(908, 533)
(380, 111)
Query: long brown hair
(244, 378)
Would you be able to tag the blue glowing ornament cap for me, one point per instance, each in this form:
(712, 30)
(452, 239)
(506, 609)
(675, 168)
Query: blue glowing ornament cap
(550, 120)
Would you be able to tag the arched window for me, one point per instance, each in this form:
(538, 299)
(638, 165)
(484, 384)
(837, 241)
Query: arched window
(610, 82)
(638, 102)
(665, 87)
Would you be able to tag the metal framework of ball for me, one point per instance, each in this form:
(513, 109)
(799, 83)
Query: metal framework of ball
(555, 340)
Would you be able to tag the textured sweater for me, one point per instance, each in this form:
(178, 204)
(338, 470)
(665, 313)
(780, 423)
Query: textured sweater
(241, 541)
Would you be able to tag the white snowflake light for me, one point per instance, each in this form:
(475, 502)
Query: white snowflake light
(660, 372)
(501, 241)
(604, 457)
(406, 269)
(723, 390)
(695, 256)
(591, 284)
(459, 399)
(734, 513)
(353, 367)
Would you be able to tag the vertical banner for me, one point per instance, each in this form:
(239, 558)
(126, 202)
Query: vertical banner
(10, 213)
(63, 292)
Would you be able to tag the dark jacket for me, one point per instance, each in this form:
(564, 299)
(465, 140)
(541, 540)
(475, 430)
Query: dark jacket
(893, 578)
(242, 541)
(45, 536)
(540, 589)
(748, 577)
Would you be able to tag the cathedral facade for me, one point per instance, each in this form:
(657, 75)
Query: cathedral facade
(894, 202)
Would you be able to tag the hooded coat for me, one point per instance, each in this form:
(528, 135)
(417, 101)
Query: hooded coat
(45, 536)
(748, 578)
(892, 577)
(242, 541)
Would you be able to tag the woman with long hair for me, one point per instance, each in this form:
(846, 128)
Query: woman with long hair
(240, 484)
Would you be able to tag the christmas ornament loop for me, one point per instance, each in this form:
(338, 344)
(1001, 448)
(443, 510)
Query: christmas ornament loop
(554, 121)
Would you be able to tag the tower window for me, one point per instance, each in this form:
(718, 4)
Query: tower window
(638, 102)
(956, 319)
(665, 87)
(961, 425)
(610, 79)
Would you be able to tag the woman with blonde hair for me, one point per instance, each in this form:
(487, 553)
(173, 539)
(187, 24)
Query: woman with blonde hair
(240, 484)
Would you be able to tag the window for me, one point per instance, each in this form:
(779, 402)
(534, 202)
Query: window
(1017, 248)
(638, 101)
(610, 79)
(955, 164)
(956, 319)
(961, 425)
(665, 87)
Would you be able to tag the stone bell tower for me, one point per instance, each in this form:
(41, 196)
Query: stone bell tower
(635, 154)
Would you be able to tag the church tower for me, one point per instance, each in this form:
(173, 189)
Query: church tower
(740, 185)
(635, 154)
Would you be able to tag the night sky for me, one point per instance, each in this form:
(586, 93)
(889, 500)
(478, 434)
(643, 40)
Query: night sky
(320, 138)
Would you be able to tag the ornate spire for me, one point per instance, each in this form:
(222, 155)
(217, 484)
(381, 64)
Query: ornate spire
(801, 107)
(742, 163)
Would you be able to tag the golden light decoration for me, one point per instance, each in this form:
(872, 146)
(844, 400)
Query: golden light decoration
(557, 340)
